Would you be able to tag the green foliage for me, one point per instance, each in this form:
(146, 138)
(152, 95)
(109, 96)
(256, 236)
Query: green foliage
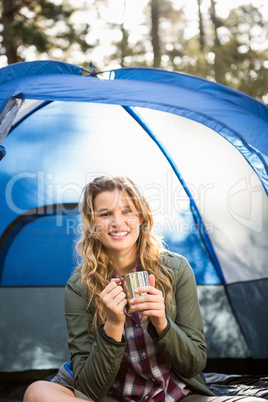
(25, 33)
(42, 26)
(232, 54)
(243, 64)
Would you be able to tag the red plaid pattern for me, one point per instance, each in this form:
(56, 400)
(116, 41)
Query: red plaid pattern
(144, 375)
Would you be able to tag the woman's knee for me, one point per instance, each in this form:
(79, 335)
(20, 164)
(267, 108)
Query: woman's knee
(34, 392)
(45, 391)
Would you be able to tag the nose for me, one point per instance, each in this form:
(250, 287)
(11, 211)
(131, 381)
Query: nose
(117, 219)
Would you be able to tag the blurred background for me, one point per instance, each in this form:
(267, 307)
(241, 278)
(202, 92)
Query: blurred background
(221, 40)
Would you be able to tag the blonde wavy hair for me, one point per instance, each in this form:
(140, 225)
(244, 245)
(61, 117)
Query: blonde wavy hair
(97, 268)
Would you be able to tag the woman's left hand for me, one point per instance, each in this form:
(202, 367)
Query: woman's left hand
(152, 304)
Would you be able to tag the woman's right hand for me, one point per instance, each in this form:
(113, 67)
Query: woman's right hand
(114, 300)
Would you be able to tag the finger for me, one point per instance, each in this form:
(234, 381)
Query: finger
(116, 291)
(117, 308)
(148, 289)
(118, 298)
(152, 280)
(151, 313)
(147, 299)
(108, 288)
(123, 302)
(113, 301)
(116, 280)
(155, 309)
(110, 292)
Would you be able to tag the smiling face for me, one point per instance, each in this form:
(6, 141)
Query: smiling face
(117, 223)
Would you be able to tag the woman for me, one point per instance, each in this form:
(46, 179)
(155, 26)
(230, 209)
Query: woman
(158, 352)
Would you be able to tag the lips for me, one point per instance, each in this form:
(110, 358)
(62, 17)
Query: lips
(118, 235)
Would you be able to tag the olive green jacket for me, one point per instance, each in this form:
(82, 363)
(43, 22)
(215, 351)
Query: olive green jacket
(96, 361)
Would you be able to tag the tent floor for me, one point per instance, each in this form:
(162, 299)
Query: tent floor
(247, 366)
(13, 385)
(10, 400)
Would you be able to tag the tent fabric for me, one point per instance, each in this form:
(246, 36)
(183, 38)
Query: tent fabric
(40, 230)
(218, 91)
(37, 335)
(8, 115)
(193, 207)
(197, 150)
(254, 323)
(193, 103)
(2, 152)
(12, 73)
(18, 70)
(69, 182)
(228, 213)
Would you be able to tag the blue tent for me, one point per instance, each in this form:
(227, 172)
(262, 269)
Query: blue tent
(197, 149)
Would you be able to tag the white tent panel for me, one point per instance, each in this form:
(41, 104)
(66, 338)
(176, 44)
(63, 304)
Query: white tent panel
(226, 190)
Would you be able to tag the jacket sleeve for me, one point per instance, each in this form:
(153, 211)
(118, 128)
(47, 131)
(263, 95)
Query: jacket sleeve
(183, 343)
(95, 361)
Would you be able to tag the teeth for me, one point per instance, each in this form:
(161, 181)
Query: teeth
(118, 234)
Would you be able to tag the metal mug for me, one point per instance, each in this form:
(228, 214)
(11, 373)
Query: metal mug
(132, 281)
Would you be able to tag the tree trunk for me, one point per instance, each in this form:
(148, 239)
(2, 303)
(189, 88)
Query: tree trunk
(219, 75)
(155, 32)
(215, 21)
(124, 41)
(8, 15)
(123, 46)
(201, 26)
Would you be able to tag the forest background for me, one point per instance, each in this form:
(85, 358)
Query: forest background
(230, 48)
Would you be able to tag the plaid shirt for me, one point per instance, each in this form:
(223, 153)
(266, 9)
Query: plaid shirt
(144, 375)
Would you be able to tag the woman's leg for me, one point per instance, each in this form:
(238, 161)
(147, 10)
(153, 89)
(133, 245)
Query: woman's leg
(44, 391)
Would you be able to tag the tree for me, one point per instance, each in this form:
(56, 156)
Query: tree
(127, 52)
(41, 26)
(234, 51)
(243, 60)
(167, 33)
(201, 26)
(155, 12)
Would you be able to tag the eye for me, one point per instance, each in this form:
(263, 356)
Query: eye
(127, 211)
(104, 214)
